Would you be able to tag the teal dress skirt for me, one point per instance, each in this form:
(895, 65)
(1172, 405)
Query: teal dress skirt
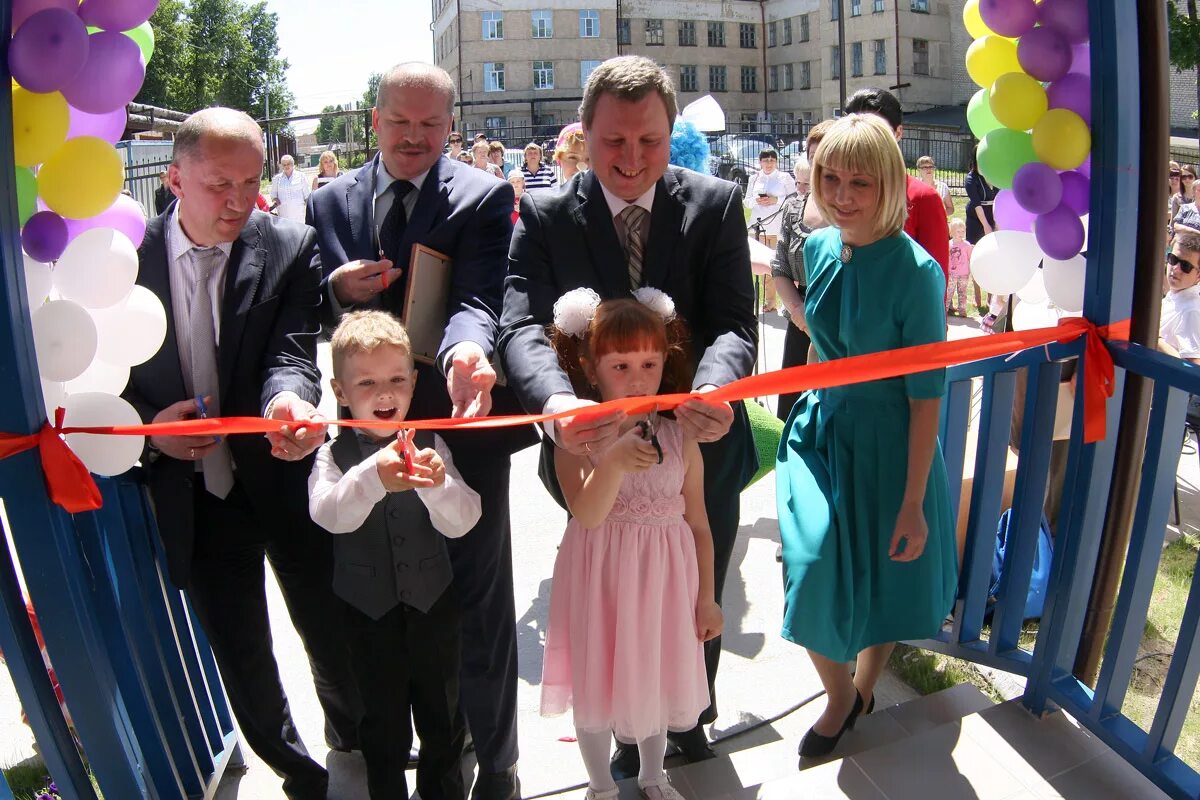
(842, 461)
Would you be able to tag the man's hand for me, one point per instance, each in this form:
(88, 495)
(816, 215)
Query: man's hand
(469, 381)
(359, 281)
(397, 475)
(184, 448)
(704, 421)
(294, 442)
(587, 434)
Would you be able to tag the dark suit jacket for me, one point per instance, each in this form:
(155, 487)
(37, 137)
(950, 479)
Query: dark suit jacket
(462, 212)
(268, 345)
(696, 252)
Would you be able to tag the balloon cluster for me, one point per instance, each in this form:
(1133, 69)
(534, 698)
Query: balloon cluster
(1032, 116)
(75, 65)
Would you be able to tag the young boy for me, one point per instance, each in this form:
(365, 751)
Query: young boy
(390, 510)
(960, 268)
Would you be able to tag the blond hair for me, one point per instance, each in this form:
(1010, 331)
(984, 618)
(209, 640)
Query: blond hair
(628, 78)
(956, 222)
(569, 142)
(864, 143)
(363, 332)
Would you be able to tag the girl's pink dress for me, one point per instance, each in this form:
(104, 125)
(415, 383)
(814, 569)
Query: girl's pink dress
(621, 647)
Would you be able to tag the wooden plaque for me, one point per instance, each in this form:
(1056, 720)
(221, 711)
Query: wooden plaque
(426, 296)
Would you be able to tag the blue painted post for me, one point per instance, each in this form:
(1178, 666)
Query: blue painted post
(956, 415)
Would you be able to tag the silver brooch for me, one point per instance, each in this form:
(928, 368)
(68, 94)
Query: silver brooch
(847, 253)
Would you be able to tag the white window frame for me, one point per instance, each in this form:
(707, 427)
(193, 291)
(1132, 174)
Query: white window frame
(542, 24)
(684, 85)
(493, 25)
(543, 75)
(880, 56)
(786, 37)
(856, 59)
(493, 76)
(589, 24)
(788, 78)
(927, 49)
(585, 69)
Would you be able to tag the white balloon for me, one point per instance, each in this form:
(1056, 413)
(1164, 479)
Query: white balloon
(1064, 282)
(1035, 290)
(1085, 219)
(100, 377)
(131, 332)
(1004, 261)
(37, 282)
(100, 453)
(65, 338)
(705, 114)
(97, 269)
(1027, 316)
(54, 394)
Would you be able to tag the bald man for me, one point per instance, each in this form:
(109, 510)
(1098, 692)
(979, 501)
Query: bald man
(241, 289)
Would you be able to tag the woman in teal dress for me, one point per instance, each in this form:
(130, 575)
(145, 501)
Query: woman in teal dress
(864, 509)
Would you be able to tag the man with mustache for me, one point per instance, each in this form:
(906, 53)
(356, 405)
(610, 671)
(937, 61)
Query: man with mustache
(367, 222)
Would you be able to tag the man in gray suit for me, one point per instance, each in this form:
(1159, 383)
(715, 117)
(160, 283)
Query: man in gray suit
(692, 232)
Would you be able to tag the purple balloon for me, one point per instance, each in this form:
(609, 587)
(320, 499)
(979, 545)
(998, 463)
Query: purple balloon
(1009, 18)
(48, 51)
(1085, 169)
(112, 76)
(110, 127)
(44, 236)
(24, 9)
(1074, 92)
(125, 215)
(116, 15)
(1037, 188)
(1059, 233)
(1076, 192)
(1069, 17)
(1044, 54)
(1081, 59)
(1009, 215)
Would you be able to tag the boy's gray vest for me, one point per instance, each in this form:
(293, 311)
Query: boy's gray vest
(397, 556)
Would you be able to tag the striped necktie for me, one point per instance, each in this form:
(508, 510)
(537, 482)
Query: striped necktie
(633, 218)
(218, 464)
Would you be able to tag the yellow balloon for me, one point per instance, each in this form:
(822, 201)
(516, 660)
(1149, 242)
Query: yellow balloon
(974, 22)
(40, 124)
(82, 178)
(1017, 100)
(989, 58)
(1061, 139)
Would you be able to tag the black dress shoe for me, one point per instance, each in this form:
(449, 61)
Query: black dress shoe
(625, 761)
(814, 745)
(502, 785)
(693, 744)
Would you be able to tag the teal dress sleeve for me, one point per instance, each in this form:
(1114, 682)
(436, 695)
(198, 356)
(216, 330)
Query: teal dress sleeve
(922, 319)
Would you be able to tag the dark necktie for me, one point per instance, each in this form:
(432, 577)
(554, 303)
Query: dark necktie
(391, 233)
(634, 219)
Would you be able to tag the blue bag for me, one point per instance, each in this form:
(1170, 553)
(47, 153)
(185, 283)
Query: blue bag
(1035, 600)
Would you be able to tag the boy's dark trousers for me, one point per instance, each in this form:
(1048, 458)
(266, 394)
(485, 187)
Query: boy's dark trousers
(408, 662)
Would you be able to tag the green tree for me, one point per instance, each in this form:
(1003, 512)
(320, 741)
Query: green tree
(1183, 37)
(165, 69)
(331, 130)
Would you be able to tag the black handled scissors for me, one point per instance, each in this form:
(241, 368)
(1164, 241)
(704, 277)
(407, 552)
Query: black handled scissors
(649, 429)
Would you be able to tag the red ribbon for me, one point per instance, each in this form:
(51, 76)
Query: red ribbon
(71, 487)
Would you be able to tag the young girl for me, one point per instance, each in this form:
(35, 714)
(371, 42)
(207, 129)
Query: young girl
(632, 599)
(960, 268)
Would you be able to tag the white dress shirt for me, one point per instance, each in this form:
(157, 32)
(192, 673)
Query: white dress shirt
(341, 503)
(291, 193)
(1179, 321)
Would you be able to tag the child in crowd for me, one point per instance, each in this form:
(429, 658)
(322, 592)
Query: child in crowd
(632, 598)
(390, 500)
(960, 269)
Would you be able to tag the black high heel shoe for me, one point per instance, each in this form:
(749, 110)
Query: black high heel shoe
(814, 745)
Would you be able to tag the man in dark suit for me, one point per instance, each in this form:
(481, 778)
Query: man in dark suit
(693, 234)
(241, 289)
(367, 222)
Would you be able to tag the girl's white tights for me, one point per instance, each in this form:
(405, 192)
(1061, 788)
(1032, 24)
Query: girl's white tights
(595, 748)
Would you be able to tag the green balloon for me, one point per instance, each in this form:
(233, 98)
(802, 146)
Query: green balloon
(144, 36)
(1002, 152)
(979, 115)
(27, 192)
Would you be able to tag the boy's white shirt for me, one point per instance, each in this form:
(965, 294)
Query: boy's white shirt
(341, 503)
(1179, 321)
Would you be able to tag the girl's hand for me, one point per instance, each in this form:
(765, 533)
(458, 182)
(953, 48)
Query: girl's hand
(709, 620)
(911, 527)
(631, 453)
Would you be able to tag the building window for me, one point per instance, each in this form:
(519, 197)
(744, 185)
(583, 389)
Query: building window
(835, 63)
(543, 75)
(833, 9)
(773, 78)
(493, 77)
(687, 79)
(495, 127)
(716, 34)
(589, 24)
(787, 78)
(687, 33)
(493, 25)
(749, 121)
(623, 36)
(749, 79)
(805, 75)
(716, 79)
(878, 6)
(921, 5)
(804, 27)
(543, 24)
(787, 32)
(771, 34)
(920, 57)
(856, 8)
(880, 56)
(746, 35)
(654, 32)
(585, 69)
(856, 59)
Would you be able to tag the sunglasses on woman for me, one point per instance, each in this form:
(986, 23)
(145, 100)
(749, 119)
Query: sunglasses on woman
(1184, 265)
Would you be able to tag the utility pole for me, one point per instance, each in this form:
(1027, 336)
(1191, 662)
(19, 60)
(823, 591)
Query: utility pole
(841, 21)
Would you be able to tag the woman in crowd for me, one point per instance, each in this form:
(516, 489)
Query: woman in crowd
(537, 175)
(1183, 181)
(765, 193)
(480, 160)
(926, 172)
(864, 505)
(570, 153)
(800, 218)
(981, 197)
(327, 170)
